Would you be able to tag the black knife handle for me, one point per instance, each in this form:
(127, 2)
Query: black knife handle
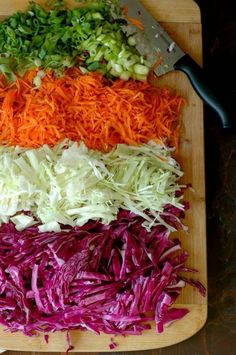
(200, 83)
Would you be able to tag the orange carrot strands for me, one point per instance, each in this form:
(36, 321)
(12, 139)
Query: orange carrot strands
(158, 62)
(136, 22)
(89, 108)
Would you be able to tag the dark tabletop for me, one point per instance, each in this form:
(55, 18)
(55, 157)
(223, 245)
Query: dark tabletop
(218, 336)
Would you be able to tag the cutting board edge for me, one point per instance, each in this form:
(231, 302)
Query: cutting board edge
(196, 318)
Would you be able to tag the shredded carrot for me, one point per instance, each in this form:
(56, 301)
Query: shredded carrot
(158, 62)
(89, 108)
(136, 22)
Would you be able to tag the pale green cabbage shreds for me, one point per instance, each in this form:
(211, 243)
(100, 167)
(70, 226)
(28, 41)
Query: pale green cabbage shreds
(70, 184)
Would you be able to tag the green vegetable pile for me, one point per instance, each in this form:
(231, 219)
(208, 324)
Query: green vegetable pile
(70, 184)
(60, 38)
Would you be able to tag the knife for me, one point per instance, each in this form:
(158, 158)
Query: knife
(153, 41)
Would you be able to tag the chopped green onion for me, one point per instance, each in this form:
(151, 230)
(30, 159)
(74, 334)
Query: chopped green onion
(141, 69)
(37, 82)
(125, 75)
(54, 39)
(132, 41)
(38, 62)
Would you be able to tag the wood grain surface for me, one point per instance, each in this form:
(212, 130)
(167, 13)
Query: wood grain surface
(182, 20)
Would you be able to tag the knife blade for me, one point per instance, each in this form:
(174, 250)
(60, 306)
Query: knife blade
(153, 42)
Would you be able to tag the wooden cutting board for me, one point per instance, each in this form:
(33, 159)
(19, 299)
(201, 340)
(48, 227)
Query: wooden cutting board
(182, 19)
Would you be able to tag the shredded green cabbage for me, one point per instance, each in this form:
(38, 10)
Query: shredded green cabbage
(70, 184)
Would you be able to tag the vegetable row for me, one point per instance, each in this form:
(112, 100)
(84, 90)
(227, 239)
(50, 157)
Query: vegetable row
(70, 184)
(86, 107)
(87, 37)
(113, 279)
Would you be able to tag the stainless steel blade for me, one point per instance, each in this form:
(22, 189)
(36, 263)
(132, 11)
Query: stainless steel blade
(153, 41)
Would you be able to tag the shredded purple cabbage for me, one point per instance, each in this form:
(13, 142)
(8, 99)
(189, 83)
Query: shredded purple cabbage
(113, 345)
(105, 278)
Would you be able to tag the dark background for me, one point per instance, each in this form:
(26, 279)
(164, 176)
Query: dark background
(218, 336)
(219, 48)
